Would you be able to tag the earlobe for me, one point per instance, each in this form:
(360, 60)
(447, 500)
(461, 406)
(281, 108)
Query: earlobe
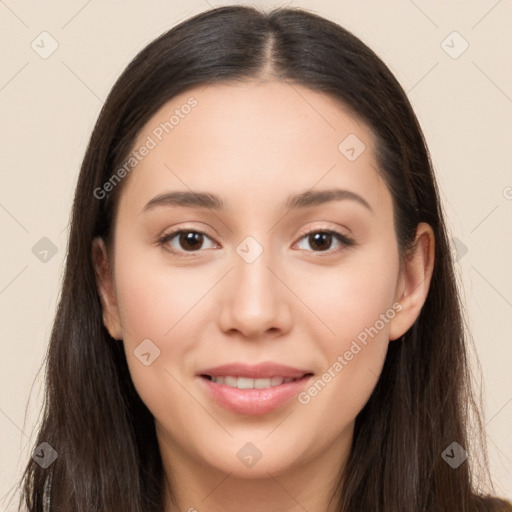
(105, 287)
(414, 281)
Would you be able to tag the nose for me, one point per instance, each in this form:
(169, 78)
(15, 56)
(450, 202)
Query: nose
(255, 302)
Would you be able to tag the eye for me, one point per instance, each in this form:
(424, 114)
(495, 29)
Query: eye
(321, 240)
(190, 241)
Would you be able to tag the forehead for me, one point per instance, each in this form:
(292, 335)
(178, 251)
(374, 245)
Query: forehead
(293, 111)
(259, 137)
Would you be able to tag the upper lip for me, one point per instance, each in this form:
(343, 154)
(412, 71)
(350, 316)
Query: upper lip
(256, 371)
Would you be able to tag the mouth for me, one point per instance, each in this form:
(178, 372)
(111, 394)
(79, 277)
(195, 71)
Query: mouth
(253, 390)
(249, 383)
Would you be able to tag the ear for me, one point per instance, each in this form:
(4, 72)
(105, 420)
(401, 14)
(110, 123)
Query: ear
(414, 281)
(105, 285)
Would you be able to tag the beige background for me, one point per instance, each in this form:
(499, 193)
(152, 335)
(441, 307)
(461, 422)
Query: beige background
(49, 107)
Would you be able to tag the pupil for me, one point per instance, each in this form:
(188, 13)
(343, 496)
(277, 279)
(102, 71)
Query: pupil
(319, 237)
(187, 240)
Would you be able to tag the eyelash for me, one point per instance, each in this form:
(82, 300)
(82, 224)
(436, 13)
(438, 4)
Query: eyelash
(343, 239)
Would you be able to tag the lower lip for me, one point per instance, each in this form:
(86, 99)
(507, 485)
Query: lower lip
(254, 401)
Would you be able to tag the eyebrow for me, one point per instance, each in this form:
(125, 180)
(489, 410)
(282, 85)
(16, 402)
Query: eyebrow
(307, 199)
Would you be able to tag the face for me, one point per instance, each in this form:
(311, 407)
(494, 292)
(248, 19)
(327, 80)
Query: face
(275, 273)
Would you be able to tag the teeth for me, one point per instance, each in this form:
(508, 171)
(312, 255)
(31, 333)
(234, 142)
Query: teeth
(246, 383)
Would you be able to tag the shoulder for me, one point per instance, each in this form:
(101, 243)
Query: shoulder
(493, 504)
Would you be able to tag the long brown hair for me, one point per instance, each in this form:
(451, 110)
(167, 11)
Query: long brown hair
(108, 456)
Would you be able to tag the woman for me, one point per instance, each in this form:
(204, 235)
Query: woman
(211, 349)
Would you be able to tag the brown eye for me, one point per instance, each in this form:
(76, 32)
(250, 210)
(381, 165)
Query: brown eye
(190, 240)
(321, 241)
(184, 241)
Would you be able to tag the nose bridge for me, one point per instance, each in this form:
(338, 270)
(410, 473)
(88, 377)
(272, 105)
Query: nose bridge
(254, 303)
(254, 280)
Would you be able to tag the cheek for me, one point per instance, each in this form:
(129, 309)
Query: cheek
(356, 305)
(350, 299)
(156, 299)
(157, 304)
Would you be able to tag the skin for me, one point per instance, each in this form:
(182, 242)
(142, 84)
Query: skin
(253, 144)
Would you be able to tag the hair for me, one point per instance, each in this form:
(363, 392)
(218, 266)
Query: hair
(108, 455)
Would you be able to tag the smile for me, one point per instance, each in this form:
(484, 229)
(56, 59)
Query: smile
(248, 383)
(252, 397)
